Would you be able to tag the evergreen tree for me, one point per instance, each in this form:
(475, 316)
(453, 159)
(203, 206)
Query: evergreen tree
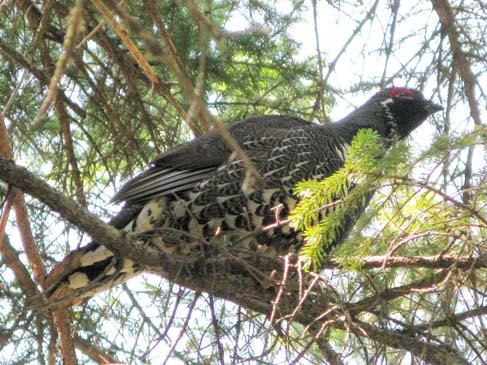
(92, 90)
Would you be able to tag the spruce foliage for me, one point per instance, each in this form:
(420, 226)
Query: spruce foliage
(342, 196)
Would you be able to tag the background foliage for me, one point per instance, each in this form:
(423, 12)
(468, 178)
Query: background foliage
(91, 91)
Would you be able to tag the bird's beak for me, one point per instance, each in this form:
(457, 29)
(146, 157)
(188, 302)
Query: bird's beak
(431, 107)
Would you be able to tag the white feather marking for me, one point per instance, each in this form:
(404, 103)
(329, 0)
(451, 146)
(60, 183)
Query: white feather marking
(91, 257)
(299, 164)
(193, 195)
(274, 171)
(230, 220)
(128, 266)
(283, 148)
(145, 219)
(290, 203)
(178, 208)
(252, 206)
(276, 157)
(387, 110)
(194, 228)
(221, 186)
(267, 194)
(294, 138)
(342, 150)
(257, 220)
(222, 199)
(78, 280)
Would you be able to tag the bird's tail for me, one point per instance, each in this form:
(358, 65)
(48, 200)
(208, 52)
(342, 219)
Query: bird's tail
(92, 269)
(85, 272)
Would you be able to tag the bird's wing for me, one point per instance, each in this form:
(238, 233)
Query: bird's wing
(184, 166)
(157, 182)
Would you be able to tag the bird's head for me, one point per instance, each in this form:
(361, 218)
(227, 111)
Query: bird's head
(401, 110)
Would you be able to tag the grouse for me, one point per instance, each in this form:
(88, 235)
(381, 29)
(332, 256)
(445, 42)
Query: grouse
(194, 191)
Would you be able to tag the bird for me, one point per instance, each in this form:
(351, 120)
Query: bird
(196, 190)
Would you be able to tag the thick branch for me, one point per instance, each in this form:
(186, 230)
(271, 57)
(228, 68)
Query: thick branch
(231, 277)
(431, 262)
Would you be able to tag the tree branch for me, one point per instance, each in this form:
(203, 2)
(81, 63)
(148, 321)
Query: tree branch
(460, 59)
(227, 275)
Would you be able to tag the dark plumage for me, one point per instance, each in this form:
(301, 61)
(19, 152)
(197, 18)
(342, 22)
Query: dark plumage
(196, 188)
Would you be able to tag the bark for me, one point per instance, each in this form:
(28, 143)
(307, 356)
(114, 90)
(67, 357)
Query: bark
(302, 297)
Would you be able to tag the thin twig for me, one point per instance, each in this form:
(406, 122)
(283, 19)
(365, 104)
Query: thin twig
(183, 328)
(74, 28)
